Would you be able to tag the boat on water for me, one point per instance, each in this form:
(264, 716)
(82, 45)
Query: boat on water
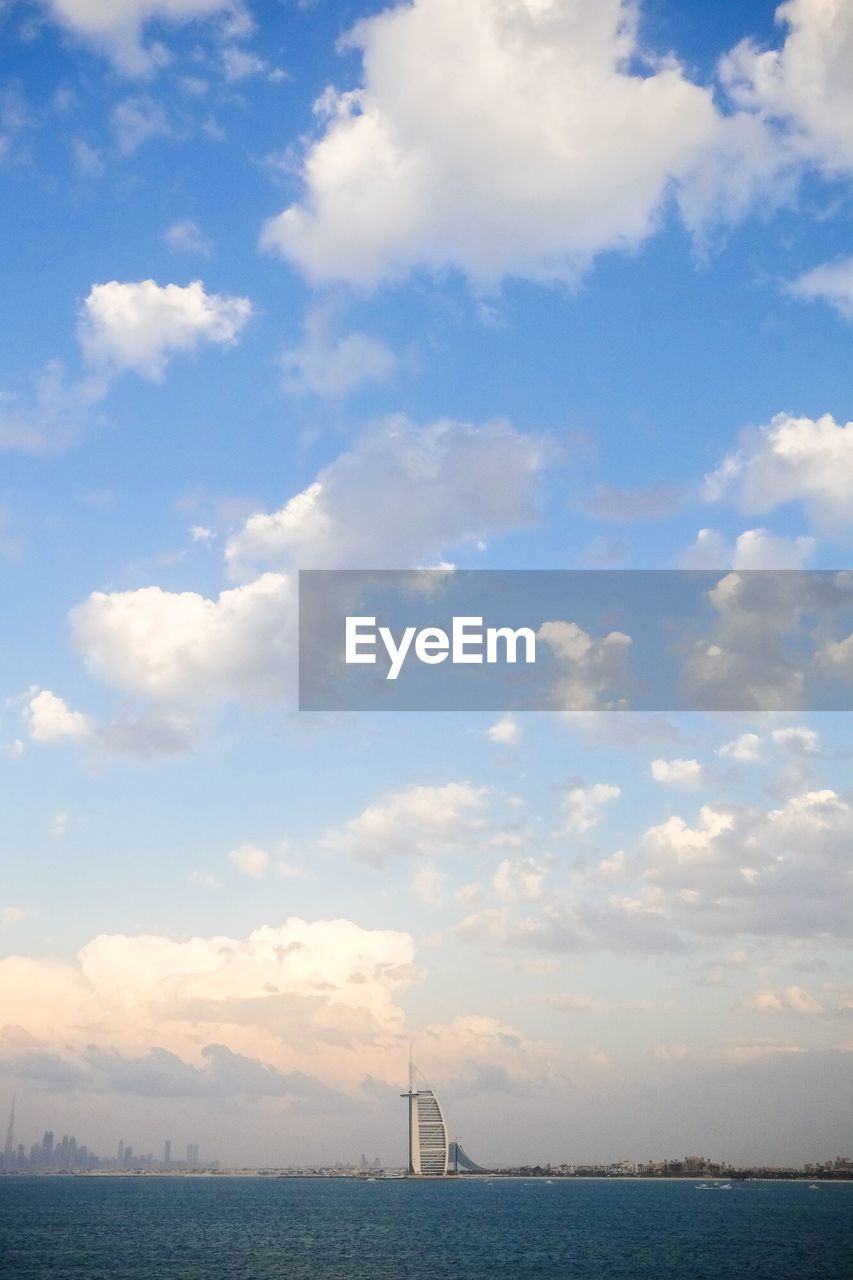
(813, 1186)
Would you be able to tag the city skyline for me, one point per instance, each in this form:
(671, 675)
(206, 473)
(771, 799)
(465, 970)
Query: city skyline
(502, 285)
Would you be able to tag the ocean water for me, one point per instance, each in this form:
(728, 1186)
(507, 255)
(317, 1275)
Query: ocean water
(224, 1228)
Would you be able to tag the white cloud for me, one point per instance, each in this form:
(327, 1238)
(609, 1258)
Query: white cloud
(500, 137)
(117, 27)
(49, 719)
(414, 822)
(836, 658)
(748, 660)
(519, 878)
(505, 732)
(753, 549)
(181, 645)
(394, 500)
(797, 738)
(591, 668)
(199, 533)
(398, 499)
(781, 873)
(746, 748)
(187, 236)
(790, 460)
(287, 993)
(804, 86)
(251, 860)
(582, 805)
(677, 773)
(832, 282)
(139, 326)
(324, 364)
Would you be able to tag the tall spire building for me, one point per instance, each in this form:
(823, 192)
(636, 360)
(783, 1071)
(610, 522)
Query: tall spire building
(427, 1130)
(9, 1148)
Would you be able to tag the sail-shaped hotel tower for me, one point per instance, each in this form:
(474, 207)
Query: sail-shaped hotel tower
(427, 1130)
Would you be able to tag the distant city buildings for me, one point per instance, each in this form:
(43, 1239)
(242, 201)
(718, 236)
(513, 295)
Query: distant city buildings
(69, 1156)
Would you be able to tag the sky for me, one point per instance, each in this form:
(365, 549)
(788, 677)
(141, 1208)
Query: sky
(509, 284)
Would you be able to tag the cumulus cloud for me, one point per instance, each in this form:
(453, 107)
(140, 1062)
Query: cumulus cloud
(395, 500)
(184, 646)
(582, 805)
(519, 878)
(504, 732)
(398, 499)
(677, 773)
(780, 873)
(790, 459)
(753, 549)
(414, 822)
(49, 719)
(746, 748)
(117, 28)
(748, 660)
(804, 87)
(317, 996)
(499, 137)
(325, 364)
(798, 738)
(139, 326)
(590, 670)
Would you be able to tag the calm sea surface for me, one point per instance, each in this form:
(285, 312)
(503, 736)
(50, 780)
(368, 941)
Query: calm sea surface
(290, 1229)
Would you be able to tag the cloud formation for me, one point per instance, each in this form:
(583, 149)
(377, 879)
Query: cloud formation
(49, 719)
(139, 326)
(499, 137)
(790, 459)
(400, 498)
(186, 647)
(415, 822)
(117, 27)
(304, 995)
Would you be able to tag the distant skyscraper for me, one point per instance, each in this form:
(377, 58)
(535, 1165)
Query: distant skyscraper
(9, 1148)
(167, 1153)
(427, 1130)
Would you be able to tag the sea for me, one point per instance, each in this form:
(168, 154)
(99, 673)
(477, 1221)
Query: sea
(253, 1228)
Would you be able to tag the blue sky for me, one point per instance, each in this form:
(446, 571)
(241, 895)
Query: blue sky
(515, 285)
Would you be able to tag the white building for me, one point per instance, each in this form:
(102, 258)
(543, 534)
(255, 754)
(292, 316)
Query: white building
(427, 1130)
